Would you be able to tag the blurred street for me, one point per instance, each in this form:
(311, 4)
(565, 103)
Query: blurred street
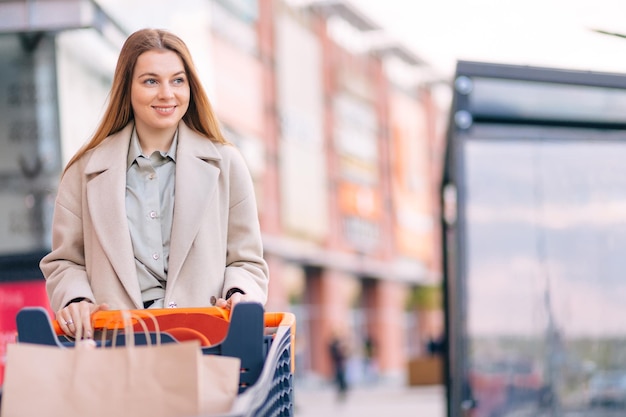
(364, 401)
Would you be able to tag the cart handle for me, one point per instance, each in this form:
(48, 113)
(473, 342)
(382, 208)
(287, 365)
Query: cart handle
(111, 319)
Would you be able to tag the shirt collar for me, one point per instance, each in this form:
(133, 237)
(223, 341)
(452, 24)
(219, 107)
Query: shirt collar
(134, 151)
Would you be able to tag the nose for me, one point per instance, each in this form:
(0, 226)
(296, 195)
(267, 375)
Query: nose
(165, 91)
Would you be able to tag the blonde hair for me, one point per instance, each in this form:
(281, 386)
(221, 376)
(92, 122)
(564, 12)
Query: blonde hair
(199, 116)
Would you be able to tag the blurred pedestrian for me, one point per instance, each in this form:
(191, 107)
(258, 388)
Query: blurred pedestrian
(157, 209)
(435, 346)
(339, 355)
(369, 364)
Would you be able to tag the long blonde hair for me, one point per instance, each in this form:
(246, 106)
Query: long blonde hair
(119, 112)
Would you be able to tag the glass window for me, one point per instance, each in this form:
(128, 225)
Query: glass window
(545, 222)
(30, 143)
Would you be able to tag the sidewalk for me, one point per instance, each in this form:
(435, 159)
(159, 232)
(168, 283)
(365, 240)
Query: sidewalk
(370, 401)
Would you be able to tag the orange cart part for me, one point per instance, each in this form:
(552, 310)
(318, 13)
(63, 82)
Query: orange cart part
(284, 319)
(111, 319)
(183, 333)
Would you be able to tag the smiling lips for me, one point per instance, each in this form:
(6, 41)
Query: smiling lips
(165, 110)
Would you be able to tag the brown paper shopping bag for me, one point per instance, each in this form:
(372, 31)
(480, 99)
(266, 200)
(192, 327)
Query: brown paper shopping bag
(219, 383)
(162, 380)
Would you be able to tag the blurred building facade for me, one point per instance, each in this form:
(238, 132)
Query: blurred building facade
(338, 123)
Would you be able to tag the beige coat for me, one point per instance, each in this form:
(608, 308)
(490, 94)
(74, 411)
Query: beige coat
(216, 239)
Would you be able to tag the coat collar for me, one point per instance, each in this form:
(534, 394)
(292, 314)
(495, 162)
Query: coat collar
(106, 155)
(196, 183)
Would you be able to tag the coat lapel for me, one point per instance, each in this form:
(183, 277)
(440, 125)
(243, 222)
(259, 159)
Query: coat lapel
(106, 197)
(196, 184)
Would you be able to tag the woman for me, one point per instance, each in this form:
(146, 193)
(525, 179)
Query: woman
(157, 209)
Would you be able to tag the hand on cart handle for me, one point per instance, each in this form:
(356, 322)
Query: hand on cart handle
(75, 319)
(232, 300)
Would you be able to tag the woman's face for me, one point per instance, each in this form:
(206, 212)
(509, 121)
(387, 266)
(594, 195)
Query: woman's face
(159, 92)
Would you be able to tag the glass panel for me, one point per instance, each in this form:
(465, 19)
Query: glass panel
(29, 143)
(522, 100)
(546, 232)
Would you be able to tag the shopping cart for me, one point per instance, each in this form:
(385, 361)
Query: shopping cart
(263, 341)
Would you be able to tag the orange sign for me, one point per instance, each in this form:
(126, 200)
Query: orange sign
(359, 200)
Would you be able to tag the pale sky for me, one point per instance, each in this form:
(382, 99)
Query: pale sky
(548, 33)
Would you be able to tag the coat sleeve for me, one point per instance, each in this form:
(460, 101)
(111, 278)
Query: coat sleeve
(64, 267)
(245, 266)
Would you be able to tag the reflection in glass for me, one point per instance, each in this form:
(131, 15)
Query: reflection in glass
(546, 234)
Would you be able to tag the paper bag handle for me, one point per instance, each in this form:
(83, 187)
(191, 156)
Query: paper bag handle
(129, 318)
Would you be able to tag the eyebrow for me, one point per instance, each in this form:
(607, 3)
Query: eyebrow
(153, 74)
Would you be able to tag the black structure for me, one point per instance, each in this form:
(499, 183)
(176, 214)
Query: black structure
(534, 225)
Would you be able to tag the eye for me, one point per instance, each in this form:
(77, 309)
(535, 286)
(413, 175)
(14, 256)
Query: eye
(150, 81)
(178, 81)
